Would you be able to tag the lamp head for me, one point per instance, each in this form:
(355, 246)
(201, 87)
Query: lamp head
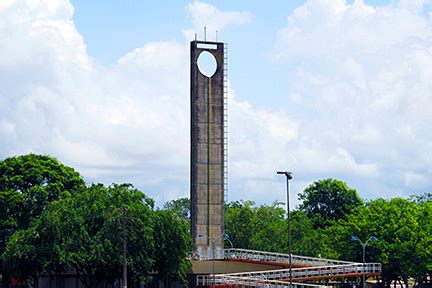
(288, 174)
(374, 238)
(354, 238)
(200, 235)
(225, 236)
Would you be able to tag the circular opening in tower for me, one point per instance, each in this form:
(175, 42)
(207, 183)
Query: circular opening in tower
(207, 64)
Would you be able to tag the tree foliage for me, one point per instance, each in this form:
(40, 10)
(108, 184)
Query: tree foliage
(306, 240)
(69, 225)
(239, 222)
(256, 227)
(85, 232)
(328, 200)
(173, 243)
(28, 184)
(265, 228)
(270, 228)
(50, 220)
(35, 180)
(403, 228)
(181, 207)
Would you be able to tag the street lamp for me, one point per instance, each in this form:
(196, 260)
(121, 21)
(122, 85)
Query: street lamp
(364, 244)
(226, 237)
(213, 241)
(289, 176)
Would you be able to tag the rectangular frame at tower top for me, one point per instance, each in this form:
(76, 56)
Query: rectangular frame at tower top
(207, 150)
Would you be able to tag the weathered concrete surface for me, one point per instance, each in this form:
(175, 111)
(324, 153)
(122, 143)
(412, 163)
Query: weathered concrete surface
(207, 152)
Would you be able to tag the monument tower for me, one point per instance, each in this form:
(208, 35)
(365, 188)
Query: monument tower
(208, 149)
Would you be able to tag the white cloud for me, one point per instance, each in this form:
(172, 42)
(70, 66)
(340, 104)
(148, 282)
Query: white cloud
(415, 180)
(363, 76)
(413, 5)
(5, 4)
(126, 123)
(358, 76)
(209, 16)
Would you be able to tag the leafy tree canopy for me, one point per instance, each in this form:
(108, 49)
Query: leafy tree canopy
(173, 243)
(328, 200)
(86, 232)
(28, 183)
(49, 231)
(181, 207)
(403, 230)
(239, 219)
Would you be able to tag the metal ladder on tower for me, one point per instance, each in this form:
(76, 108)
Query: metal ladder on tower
(225, 127)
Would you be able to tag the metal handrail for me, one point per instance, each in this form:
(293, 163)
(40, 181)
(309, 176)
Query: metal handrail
(250, 282)
(269, 277)
(318, 268)
(262, 256)
(313, 272)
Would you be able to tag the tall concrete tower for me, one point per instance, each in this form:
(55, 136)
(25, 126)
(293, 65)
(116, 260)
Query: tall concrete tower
(208, 148)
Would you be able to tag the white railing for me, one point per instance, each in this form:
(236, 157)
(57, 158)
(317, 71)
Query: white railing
(278, 278)
(250, 282)
(332, 271)
(313, 269)
(296, 260)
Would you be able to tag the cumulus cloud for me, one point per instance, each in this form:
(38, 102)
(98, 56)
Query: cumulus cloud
(209, 16)
(125, 123)
(361, 75)
(359, 87)
(416, 180)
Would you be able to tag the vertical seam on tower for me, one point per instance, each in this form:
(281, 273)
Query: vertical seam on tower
(211, 158)
(208, 163)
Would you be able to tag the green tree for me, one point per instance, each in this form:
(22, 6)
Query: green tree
(424, 198)
(9, 214)
(173, 243)
(86, 232)
(27, 185)
(98, 233)
(239, 223)
(270, 228)
(328, 200)
(38, 180)
(28, 254)
(306, 240)
(265, 228)
(395, 223)
(181, 207)
(422, 258)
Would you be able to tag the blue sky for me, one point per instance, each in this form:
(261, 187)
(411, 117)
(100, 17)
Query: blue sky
(113, 28)
(325, 88)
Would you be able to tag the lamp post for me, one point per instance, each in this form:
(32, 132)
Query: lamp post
(124, 221)
(213, 241)
(364, 244)
(229, 241)
(289, 176)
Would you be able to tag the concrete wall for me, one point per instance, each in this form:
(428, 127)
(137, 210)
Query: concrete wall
(207, 152)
